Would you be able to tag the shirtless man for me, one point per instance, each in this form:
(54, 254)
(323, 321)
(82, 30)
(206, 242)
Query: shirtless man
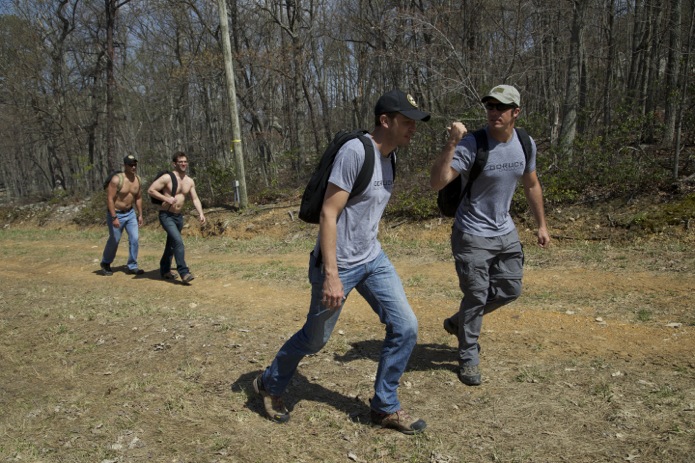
(122, 193)
(171, 218)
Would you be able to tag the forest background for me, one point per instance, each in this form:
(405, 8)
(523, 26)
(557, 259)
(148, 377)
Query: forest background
(593, 364)
(607, 89)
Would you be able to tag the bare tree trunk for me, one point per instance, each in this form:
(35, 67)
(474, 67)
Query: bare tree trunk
(548, 64)
(610, 61)
(652, 83)
(571, 103)
(685, 82)
(674, 55)
(638, 80)
(111, 8)
(100, 166)
(289, 18)
(639, 46)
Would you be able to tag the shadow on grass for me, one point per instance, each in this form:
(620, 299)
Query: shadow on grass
(303, 389)
(425, 357)
(148, 275)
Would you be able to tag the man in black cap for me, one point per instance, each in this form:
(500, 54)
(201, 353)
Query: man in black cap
(123, 200)
(352, 258)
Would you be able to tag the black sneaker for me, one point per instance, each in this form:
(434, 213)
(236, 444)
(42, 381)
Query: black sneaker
(400, 421)
(470, 375)
(106, 269)
(170, 276)
(135, 271)
(273, 404)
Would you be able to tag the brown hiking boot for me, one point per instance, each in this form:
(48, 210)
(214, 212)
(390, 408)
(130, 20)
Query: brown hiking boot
(273, 404)
(400, 421)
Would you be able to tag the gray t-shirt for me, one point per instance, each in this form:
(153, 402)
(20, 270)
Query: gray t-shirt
(358, 223)
(486, 212)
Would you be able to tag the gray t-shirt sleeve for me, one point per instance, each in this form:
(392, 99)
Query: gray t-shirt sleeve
(531, 166)
(347, 165)
(464, 156)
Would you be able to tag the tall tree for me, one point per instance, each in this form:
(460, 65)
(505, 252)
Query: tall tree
(609, 67)
(672, 69)
(571, 107)
(111, 8)
(91, 79)
(685, 83)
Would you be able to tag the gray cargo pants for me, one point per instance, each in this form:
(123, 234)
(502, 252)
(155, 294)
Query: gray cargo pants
(490, 272)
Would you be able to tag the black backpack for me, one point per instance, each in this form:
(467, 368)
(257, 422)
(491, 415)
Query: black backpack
(174, 185)
(315, 191)
(449, 197)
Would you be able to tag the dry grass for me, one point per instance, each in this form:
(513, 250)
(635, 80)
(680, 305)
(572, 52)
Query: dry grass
(125, 369)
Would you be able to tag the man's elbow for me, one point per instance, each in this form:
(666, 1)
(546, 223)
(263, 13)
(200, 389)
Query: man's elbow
(433, 184)
(438, 182)
(325, 217)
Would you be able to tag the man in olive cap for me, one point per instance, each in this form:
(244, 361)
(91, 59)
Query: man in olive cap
(123, 200)
(352, 258)
(485, 244)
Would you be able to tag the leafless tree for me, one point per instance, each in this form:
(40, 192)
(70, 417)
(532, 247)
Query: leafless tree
(82, 82)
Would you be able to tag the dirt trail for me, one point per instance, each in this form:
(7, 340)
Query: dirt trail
(570, 373)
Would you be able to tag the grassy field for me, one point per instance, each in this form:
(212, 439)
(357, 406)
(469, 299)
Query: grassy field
(595, 362)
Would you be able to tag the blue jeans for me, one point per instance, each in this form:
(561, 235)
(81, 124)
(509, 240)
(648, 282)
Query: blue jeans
(129, 222)
(172, 224)
(490, 272)
(378, 282)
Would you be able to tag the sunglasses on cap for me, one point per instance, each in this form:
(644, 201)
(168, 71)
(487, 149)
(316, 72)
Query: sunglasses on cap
(501, 107)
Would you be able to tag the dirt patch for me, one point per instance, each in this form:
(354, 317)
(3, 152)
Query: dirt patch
(593, 363)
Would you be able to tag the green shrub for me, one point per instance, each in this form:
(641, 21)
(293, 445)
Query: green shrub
(215, 184)
(416, 202)
(94, 213)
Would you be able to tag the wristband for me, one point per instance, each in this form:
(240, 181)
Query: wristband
(114, 217)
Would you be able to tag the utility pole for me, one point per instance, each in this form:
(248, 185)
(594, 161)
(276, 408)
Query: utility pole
(231, 93)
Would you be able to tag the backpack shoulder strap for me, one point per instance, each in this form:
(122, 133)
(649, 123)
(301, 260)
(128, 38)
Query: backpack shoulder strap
(481, 150)
(481, 153)
(174, 184)
(121, 175)
(525, 142)
(367, 170)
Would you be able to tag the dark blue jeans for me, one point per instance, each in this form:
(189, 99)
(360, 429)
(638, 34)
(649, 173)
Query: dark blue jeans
(172, 224)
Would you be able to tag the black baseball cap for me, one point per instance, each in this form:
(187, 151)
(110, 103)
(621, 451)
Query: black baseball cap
(396, 101)
(130, 160)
